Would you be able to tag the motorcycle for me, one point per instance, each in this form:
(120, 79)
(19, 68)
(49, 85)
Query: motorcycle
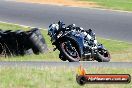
(76, 44)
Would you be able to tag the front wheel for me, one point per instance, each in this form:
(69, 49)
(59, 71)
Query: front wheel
(70, 51)
(103, 56)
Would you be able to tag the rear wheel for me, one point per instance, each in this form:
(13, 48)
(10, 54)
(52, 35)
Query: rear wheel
(70, 51)
(62, 57)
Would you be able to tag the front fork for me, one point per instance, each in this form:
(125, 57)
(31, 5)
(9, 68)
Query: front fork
(90, 55)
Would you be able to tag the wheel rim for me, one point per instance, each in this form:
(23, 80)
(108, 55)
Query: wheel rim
(72, 52)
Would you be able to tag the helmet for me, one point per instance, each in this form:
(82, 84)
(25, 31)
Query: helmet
(61, 24)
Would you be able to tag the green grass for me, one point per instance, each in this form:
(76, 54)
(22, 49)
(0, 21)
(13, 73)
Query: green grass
(117, 49)
(62, 77)
(114, 4)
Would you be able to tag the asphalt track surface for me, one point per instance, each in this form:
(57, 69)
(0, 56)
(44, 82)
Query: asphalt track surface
(38, 64)
(105, 23)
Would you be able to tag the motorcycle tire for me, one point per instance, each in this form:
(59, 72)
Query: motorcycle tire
(105, 57)
(62, 57)
(65, 53)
